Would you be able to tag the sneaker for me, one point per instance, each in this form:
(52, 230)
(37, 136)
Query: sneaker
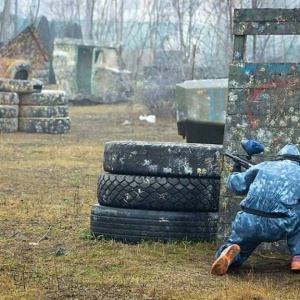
(295, 263)
(222, 263)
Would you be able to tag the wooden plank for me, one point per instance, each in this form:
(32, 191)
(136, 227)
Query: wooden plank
(266, 95)
(263, 99)
(267, 15)
(229, 207)
(266, 28)
(277, 108)
(269, 131)
(277, 119)
(240, 102)
(239, 48)
(264, 75)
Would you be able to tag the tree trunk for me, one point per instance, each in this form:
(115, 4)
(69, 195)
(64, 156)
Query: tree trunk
(90, 5)
(5, 24)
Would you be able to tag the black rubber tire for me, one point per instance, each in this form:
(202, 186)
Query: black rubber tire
(34, 111)
(162, 159)
(8, 125)
(158, 193)
(134, 226)
(17, 66)
(9, 111)
(8, 98)
(19, 86)
(45, 125)
(45, 98)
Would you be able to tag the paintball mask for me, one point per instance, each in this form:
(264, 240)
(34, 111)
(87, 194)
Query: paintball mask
(252, 147)
(289, 151)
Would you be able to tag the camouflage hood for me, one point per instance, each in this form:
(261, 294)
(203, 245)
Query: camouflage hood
(289, 151)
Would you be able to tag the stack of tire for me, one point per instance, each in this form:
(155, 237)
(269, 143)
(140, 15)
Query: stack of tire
(9, 102)
(9, 110)
(157, 191)
(25, 107)
(44, 112)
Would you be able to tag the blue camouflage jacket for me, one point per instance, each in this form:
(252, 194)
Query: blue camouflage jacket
(272, 187)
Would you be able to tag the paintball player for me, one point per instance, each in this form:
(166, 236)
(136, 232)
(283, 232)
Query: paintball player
(270, 211)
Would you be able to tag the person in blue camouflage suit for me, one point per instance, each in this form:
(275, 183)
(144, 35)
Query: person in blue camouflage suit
(270, 211)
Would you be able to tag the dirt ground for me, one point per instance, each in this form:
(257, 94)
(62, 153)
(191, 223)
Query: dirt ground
(47, 188)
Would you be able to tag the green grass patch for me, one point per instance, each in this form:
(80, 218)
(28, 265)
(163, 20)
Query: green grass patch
(47, 189)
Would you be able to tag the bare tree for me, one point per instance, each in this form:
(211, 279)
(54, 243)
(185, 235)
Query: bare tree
(90, 7)
(200, 30)
(5, 23)
(119, 19)
(185, 12)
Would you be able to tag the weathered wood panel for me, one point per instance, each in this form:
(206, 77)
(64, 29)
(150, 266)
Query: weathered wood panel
(267, 15)
(266, 22)
(264, 76)
(271, 28)
(263, 102)
(239, 48)
(272, 103)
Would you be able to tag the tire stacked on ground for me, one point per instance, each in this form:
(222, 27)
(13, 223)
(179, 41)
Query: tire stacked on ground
(24, 106)
(157, 191)
(9, 102)
(44, 112)
(9, 110)
(19, 86)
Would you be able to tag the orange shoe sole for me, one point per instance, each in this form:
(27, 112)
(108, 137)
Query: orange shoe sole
(295, 267)
(222, 263)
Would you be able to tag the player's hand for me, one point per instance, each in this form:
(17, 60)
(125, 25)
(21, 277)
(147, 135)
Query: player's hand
(236, 168)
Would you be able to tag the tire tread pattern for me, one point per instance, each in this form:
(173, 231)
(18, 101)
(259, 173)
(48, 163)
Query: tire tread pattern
(162, 159)
(158, 193)
(46, 97)
(9, 111)
(45, 125)
(17, 86)
(8, 125)
(9, 98)
(133, 226)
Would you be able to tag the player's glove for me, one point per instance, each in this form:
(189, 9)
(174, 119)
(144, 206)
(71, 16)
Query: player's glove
(236, 168)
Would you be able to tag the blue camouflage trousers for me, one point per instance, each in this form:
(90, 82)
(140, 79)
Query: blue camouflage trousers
(249, 231)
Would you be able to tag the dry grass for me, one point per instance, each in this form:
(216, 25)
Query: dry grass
(47, 188)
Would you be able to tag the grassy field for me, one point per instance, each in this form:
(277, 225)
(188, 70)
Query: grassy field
(47, 188)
